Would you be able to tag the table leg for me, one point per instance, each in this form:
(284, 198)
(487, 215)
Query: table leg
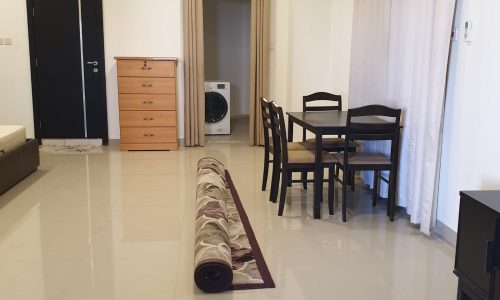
(290, 130)
(318, 177)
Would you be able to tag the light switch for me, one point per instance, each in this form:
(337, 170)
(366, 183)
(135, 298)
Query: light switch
(7, 41)
(468, 31)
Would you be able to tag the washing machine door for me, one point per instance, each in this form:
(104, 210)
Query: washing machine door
(215, 107)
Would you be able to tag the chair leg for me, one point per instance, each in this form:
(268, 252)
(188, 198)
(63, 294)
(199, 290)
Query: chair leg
(289, 179)
(275, 181)
(331, 189)
(284, 181)
(337, 179)
(344, 196)
(392, 195)
(376, 176)
(322, 175)
(352, 175)
(303, 176)
(266, 169)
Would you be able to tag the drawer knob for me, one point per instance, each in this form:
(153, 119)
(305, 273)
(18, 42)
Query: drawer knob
(149, 135)
(145, 68)
(148, 119)
(148, 101)
(147, 85)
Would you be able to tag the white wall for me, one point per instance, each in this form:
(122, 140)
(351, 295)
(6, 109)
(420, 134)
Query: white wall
(16, 106)
(141, 28)
(471, 140)
(227, 48)
(131, 28)
(310, 50)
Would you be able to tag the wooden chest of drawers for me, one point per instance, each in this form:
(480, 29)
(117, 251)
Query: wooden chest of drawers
(148, 103)
(477, 256)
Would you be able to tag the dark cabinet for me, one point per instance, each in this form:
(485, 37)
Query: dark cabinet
(477, 259)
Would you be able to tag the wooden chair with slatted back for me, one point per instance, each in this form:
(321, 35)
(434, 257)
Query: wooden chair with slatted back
(297, 161)
(270, 149)
(330, 144)
(358, 129)
(266, 125)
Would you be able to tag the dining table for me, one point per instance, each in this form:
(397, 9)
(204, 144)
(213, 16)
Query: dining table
(322, 123)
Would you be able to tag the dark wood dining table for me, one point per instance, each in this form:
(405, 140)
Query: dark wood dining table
(322, 123)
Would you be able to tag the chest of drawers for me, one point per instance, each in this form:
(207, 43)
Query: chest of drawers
(148, 103)
(477, 258)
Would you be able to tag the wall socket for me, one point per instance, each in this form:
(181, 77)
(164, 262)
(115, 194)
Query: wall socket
(6, 41)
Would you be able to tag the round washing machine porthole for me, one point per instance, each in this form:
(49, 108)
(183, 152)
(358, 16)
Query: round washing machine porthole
(215, 107)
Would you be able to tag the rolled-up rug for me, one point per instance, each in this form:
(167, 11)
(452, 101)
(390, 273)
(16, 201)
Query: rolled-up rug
(213, 267)
(227, 255)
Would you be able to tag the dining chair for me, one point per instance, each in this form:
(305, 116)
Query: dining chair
(269, 148)
(266, 125)
(358, 129)
(330, 144)
(297, 161)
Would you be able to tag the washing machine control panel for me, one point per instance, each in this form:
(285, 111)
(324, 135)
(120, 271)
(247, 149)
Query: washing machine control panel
(210, 86)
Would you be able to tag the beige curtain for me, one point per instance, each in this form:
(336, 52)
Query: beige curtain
(194, 74)
(259, 67)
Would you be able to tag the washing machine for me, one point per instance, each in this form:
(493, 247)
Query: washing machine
(217, 107)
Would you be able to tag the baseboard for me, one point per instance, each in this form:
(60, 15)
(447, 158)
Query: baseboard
(446, 233)
(72, 142)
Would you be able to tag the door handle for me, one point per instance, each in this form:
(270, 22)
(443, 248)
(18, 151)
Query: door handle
(93, 63)
(148, 119)
(147, 85)
(148, 101)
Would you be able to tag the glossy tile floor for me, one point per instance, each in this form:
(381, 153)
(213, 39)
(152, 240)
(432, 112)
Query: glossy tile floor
(120, 225)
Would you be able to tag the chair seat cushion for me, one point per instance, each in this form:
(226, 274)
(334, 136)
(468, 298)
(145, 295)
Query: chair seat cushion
(293, 146)
(364, 158)
(308, 157)
(333, 142)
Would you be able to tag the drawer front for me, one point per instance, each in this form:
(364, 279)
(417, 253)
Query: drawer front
(147, 102)
(144, 135)
(139, 85)
(147, 118)
(150, 146)
(145, 68)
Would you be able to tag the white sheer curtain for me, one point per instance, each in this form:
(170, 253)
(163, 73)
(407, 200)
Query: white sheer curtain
(406, 69)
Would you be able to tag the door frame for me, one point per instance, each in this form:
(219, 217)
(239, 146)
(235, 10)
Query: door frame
(30, 10)
(34, 78)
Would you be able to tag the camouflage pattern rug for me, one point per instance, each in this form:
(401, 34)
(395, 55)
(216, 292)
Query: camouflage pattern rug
(227, 255)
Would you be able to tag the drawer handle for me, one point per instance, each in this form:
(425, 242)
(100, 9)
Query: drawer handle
(149, 135)
(148, 119)
(146, 68)
(148, 102)
(147, 85)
